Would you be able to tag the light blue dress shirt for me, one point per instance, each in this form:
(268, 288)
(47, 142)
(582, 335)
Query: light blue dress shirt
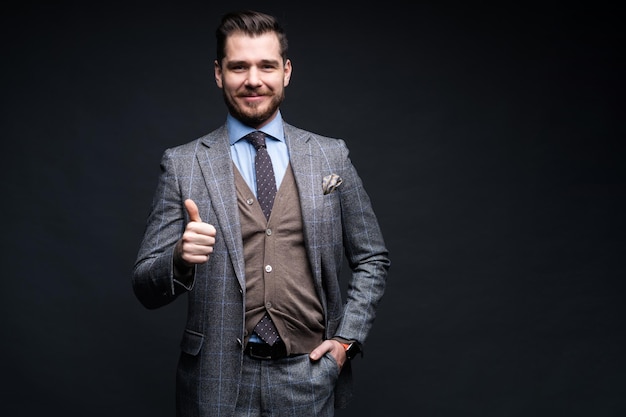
(243, 152)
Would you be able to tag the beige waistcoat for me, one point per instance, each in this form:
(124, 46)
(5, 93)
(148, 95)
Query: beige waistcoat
(278, 275)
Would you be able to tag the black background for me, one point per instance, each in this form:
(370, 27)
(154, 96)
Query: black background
(490, 139)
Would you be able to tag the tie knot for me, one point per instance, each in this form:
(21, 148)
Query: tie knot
(257, 139)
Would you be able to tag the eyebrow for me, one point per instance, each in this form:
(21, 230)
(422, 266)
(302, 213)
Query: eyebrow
(263, 61)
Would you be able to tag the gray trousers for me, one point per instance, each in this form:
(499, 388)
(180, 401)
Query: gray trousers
(294, 386)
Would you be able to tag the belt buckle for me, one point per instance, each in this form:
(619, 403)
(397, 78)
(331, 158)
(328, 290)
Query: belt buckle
(254, 347)
(265, 352)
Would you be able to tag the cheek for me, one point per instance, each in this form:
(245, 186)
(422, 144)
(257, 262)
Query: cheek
(233, 83)
(228, 85)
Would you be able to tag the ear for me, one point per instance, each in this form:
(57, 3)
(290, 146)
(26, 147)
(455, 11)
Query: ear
(217, 69)
(288, 70)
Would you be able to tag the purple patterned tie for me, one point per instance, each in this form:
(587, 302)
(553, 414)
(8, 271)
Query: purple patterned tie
(266, 330)
(266, 191)
(265, 180)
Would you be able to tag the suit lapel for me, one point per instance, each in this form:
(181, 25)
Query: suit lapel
(305, 164)
(217, 170)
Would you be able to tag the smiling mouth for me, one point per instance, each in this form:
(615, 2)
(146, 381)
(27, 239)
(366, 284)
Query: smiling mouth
(252, 99)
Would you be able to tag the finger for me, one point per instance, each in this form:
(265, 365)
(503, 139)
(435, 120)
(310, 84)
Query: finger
(319, 351)
(192, 209)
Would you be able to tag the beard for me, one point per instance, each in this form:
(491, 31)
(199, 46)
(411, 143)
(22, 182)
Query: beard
(253, 115)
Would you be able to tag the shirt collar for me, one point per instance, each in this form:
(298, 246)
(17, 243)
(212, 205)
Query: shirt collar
(237, 130)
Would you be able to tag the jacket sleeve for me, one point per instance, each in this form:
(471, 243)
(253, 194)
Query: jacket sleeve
(366, 253)
(153, 279)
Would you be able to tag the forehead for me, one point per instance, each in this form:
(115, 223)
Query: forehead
(242, 47)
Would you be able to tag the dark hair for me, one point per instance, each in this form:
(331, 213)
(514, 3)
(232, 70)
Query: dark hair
(251, 23)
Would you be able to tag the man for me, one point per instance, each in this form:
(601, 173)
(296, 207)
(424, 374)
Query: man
(254, 234)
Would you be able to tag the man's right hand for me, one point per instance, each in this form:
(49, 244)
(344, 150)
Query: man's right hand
(196, 244)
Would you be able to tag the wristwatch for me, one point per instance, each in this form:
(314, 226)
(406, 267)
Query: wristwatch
(352, 349)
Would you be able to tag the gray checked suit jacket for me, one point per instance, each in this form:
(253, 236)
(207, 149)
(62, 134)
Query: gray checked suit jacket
(335, 224)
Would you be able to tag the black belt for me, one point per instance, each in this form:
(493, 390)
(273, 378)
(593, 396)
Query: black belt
(264, 351)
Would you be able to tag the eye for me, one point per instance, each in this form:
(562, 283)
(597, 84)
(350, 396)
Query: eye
(237, 66)
(268, 65)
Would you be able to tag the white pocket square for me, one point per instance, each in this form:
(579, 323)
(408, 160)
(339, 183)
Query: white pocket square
(330, 183)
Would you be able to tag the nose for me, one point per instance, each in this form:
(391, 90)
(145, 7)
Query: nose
(253, 79)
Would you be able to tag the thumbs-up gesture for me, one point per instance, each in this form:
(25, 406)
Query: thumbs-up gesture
(196, 244)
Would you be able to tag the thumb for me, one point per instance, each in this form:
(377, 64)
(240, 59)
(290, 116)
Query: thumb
(192, 209)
